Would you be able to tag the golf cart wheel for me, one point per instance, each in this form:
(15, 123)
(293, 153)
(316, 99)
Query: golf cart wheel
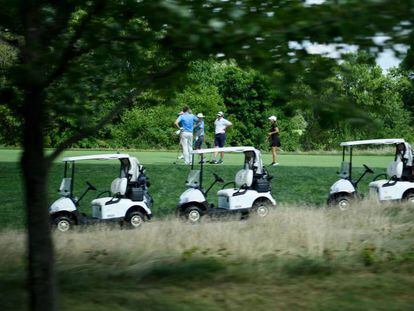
(63, 223)
(343, 202)
(193, 214)
(409, 198)
(135, 220)
(261, 209)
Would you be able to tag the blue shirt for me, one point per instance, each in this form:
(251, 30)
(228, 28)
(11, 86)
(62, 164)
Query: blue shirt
(200, 129)
(186, 121)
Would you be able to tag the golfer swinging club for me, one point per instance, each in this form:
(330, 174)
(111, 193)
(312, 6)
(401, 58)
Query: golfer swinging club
(185, 122)
(221, 125)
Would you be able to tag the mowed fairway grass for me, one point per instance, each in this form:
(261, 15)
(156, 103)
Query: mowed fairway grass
(300, 179)
(303, 256)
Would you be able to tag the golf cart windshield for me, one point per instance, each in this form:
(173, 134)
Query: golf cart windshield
(344, 171)
(193, 179)
(253, 158)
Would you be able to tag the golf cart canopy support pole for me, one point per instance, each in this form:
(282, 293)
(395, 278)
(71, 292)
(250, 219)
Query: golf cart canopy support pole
(350, 163)
(72, 180)
(201, 172)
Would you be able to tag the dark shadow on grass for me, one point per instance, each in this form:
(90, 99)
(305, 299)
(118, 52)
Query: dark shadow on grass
(186, 270)
(308, 267)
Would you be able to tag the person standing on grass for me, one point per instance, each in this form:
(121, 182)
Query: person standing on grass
(180, 156)
(185, 123)
(273, 136)
(220, 125)
(199, 134)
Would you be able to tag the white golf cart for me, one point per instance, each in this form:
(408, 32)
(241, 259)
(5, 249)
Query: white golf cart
(398, 184)
(250, 191)
(128, 202)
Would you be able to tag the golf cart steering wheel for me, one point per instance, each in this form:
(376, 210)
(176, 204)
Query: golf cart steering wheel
(368, 169)
(218, 178)
(90, 186)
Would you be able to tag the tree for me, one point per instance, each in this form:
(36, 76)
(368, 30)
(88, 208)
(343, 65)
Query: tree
(126, 47)
(358, 101)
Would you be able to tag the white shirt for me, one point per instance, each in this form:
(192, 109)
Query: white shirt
(221, 125)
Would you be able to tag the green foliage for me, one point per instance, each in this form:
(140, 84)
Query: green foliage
(10, 128)
(147, 128)
(357, 102)
(101, 59)
(202, 97)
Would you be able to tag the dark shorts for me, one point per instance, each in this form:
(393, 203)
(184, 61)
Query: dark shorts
(199, 142)
(275, 142)
(220, 140)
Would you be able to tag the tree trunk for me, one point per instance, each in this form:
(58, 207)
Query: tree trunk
(41, 276)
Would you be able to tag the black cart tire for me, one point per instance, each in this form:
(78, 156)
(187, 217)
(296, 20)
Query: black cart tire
(63, 223)
(135, 220)
(261, 209)
(409, 198)
(193, 214)
(343, 202)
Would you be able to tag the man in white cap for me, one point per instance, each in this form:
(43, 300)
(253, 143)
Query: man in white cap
(273, 136)
(220, 125)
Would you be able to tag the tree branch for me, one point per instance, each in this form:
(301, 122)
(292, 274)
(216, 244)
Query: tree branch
(85, 132)
(64, 10)
(69, 52)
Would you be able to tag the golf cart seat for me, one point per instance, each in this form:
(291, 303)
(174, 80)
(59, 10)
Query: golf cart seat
(118, 189)
(243, 180)
(395, 168)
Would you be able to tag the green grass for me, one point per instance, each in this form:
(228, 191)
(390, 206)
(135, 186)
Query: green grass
(164, 157)
(298, 259)
(213, 285)
(300, 179)
(302, 257)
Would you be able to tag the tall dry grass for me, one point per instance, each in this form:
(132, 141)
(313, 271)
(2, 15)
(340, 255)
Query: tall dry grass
(290, 231)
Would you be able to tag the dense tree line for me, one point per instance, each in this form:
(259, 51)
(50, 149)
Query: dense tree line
(310, 117)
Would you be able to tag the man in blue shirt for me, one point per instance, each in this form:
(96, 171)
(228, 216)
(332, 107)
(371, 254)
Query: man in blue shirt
(186, 122)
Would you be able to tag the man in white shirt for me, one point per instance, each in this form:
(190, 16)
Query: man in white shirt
(220, 125)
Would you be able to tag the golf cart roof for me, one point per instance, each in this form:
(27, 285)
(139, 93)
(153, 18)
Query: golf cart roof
(107, 156)
(224, 149)
(386, 141)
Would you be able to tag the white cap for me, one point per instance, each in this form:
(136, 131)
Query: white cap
(272, 118)
(220, 114)
(200, 115)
